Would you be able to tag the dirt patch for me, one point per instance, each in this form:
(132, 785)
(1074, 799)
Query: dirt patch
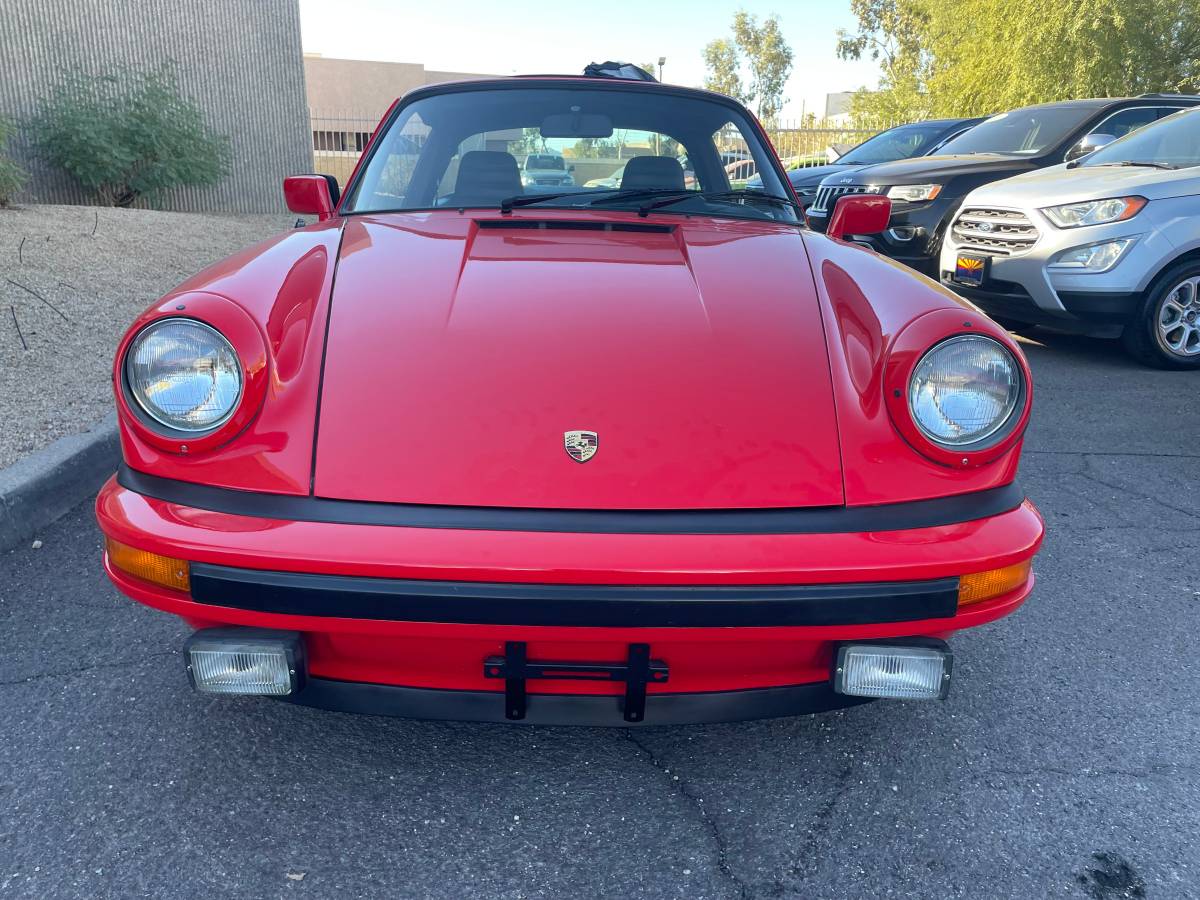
(72, 278)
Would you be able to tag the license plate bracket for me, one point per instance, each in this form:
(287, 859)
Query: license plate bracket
(516, 668)
(970, 269)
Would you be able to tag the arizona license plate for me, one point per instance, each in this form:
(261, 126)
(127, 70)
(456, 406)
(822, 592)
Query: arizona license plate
(970, 270)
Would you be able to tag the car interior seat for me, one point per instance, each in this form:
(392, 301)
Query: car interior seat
(485, 177)
(653, 173)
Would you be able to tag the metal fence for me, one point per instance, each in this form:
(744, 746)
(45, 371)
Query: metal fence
(816, 143)
(339, 138)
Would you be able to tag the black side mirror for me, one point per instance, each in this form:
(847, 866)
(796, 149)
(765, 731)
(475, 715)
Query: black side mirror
(1089, 144)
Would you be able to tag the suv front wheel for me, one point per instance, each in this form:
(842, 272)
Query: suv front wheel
(1165, 330)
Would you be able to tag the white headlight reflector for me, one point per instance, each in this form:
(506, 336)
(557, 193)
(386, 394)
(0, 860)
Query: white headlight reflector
(245, 661)
(253, 672)
(184, 374)
(897, 673)
(964, 390)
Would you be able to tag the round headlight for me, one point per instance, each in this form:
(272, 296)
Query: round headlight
(184, 374)
(964, 390)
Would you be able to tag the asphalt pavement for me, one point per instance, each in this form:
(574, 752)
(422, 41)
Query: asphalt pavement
(1064, 763)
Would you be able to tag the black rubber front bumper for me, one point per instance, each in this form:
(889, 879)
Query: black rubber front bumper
(572, 709)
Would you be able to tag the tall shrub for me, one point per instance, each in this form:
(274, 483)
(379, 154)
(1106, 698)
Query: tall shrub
(12, 176)
(129, 136)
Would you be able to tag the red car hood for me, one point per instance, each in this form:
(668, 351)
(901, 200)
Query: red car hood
(460, 351)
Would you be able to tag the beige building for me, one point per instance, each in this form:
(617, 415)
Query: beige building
(365, 87)
(348, 97)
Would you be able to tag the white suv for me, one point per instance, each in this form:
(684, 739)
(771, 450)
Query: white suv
(1107, 245)
(546, 170)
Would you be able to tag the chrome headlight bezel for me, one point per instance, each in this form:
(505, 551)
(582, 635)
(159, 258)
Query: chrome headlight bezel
(154, 415)
(999, 429)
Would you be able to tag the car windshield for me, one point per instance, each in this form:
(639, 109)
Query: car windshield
(904, 142)
(478, 147)
(1025, 131)
(1173, 142)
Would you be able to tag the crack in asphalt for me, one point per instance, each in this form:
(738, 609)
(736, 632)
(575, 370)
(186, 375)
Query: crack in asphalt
(1135, 453)
(1088, 475)
(79, 670)
(685, 791)
(819, 826)
(1107, 772)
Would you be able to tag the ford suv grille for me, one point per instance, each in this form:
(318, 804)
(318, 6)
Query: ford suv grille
(1000, 232)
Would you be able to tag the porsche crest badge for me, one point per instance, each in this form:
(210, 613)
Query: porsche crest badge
(581, 445)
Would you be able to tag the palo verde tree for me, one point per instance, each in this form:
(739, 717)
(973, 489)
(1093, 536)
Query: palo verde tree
(753, 66)
(128, 136)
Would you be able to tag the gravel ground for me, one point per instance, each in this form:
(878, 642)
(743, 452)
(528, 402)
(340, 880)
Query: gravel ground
(72, 278)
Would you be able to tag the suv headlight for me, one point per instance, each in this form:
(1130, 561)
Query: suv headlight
(1094, 212)
(183, 374)
(964, 391)
(914, 193)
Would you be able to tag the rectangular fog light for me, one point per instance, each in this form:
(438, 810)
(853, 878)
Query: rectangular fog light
(897, 672)
(245, 661)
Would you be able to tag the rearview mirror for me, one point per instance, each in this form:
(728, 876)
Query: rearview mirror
(576, 125)
(311, 195)
(1089, 144)
(859, 214)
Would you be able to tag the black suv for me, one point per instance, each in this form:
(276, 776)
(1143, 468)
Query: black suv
(926, 192)
(902, 142)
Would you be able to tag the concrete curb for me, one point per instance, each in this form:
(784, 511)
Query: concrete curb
(40, 488)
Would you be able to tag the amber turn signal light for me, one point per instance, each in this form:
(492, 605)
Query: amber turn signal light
(163, 570)
(980, 586)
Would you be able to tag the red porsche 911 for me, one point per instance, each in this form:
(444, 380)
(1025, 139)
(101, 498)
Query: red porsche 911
(471, 449)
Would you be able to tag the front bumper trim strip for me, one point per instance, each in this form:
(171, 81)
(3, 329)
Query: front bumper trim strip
(915, 514)
(578, 605)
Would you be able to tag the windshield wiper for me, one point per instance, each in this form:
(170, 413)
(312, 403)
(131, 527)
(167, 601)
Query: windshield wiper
(509, 203)
(659, 197)
(1148, 165)
(621, 195)
(717, 195)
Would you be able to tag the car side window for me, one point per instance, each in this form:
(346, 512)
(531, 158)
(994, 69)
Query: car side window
(400, 156)
(738, 164)
(1121, 123)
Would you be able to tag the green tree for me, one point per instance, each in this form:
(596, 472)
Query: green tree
(966, 57)
(594, 148)
(129, 136)
(12, 176)
(753, 66)
(770, 60)
(724, 63)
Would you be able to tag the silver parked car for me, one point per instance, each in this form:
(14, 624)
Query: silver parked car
(1107, 245)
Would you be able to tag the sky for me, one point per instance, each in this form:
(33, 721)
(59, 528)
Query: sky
(507, 38)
